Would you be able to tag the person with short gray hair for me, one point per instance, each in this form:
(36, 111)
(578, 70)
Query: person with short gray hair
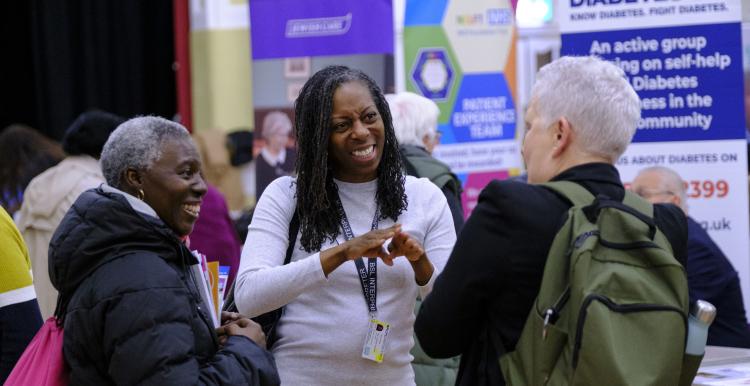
(661, 184)
(582, 116)
(137, 143)
(594, 97)
(132, 297)
(415, 120)
(711, 276)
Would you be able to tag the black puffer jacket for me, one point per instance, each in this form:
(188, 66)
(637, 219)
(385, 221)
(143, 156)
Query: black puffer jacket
(131, 309)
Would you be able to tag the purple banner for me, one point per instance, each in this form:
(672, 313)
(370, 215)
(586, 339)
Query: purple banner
(292, 28)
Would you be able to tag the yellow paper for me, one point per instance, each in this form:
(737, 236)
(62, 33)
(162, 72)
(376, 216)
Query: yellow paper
(213, 278)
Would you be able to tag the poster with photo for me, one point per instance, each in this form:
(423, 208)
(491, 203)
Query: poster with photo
(274, 147)
(290, 41)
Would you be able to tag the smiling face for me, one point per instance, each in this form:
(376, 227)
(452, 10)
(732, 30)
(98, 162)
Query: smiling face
(174, 187)
(355, 146)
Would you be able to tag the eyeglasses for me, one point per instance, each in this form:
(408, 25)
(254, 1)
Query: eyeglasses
(653, 193)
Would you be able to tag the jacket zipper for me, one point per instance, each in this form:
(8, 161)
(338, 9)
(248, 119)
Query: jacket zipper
(621, 308)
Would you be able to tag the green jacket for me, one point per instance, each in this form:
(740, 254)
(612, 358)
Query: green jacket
(419, 163)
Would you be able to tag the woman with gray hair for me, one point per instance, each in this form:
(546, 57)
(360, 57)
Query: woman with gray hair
(130, 293)
(415, 120)
(275, 159)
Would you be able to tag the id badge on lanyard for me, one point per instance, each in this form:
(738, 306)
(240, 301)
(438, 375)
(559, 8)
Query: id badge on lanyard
(374, 346)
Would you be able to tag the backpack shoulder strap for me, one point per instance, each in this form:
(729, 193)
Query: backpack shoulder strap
(408, 166)
(578, 195)
(229, 304)
(647, 209)
(293, 231)
(573, 192)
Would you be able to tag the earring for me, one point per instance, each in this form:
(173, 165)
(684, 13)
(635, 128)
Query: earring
(141, 194)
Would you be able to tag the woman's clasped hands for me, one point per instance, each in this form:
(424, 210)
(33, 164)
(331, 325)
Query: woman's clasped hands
(373, 244)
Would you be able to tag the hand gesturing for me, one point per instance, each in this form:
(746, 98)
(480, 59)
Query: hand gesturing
(403, 244)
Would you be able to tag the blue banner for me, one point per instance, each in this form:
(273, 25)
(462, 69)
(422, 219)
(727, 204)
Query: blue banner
(684, 59)
(686, 77)
(484, 109)
(294, 28)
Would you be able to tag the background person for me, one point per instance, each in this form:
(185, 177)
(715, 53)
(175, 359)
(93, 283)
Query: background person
(582, 116)
(50, 194)
(348, 172)
(240, 143)
(218, 168)
(24, 153)
(19, 311)
(130, 291)
(711, 276)
(415, 121)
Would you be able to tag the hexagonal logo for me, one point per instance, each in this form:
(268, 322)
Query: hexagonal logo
(432, 73)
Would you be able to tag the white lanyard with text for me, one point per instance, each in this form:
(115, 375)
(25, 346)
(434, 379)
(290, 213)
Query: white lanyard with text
(368, 277)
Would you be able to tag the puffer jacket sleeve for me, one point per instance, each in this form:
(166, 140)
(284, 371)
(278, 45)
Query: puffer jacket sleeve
(259, 366)
(150, 335)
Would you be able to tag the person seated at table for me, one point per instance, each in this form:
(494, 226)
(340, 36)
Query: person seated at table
(711, 276)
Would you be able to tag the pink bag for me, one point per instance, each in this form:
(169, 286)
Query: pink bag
(42, 362)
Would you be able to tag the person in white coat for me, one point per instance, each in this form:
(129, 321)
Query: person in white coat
(50, 194)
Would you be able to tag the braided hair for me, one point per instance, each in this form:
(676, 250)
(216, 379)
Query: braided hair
(316, 190)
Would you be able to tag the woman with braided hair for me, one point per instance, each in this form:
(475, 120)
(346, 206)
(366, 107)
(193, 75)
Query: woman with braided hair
(347, 318)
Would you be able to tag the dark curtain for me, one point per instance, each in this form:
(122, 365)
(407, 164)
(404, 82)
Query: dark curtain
(17, 104)
(74, 55)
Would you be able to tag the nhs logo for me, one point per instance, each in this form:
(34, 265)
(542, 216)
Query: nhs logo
(500, 16)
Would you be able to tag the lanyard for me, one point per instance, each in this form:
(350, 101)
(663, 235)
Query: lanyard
(368, 277)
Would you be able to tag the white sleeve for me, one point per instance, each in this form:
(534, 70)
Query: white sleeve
(263, 282)
(440, 234)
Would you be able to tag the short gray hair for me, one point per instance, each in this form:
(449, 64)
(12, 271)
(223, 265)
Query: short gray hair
(669, 181)
(276, 122)
(594, 96)
(414, 117)
(136, 144)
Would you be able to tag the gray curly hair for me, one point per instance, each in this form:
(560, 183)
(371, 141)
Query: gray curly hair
(136, 144)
